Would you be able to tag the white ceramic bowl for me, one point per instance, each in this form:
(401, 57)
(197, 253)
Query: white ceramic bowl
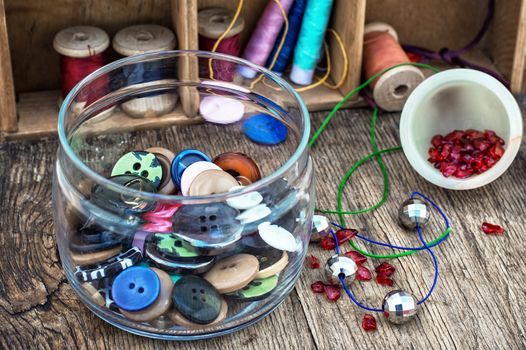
(459, 99)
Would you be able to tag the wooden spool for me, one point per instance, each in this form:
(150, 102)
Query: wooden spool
(213, 22)
(392, 89)
(139, 39)
(82, 42)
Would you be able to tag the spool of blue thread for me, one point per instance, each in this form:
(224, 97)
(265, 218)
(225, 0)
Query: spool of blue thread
(307, 51)
(295, 18)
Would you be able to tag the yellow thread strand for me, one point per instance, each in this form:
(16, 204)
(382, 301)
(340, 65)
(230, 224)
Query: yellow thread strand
(345, 61)
(228, 29)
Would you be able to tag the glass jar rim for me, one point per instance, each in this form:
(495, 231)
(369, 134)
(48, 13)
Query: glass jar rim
(101, 180)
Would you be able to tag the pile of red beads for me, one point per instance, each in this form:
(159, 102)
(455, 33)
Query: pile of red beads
(462, 154)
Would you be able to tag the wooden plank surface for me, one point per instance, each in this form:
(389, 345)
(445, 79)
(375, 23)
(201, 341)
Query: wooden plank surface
(479, 303)
(7, 88)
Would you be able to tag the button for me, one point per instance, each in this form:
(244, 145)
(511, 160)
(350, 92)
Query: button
(271, 263)
(174, 277)
(233, 273)
(135, 288)
(256, 290)
(238, 164)
(160, 219)
(92, 238)
(94, 294)
(208, 226)
(141, 163)
(180, 320)
(122, 204)
(196, 299)
(165, 157)
(277, 237)
(221, 109)
(161, 305)
(253, 244)
(95, 257)
(212, 182)
(264, 129)
(183, 160)
(172, 247)
(243, 181)
(244, 201)
(177, 266)
(254, 214)
(192, 172)
(110, 268)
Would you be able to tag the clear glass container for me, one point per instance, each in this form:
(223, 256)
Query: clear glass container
(104, 225)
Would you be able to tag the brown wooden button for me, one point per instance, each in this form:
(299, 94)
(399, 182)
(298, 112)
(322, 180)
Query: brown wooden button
(165, 157)
(273, 269)
(180, 320)
(211, 182)
(161, 305)
(95, 295)
(238, 164)
(95, 257)
(233, 273)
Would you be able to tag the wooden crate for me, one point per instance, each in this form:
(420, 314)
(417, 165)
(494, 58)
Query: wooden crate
(29, 67)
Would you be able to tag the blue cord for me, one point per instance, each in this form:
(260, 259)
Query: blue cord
(424, 246)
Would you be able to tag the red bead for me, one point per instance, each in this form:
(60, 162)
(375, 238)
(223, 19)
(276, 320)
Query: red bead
(454, 135)
(473, 134)
(437, 140)
(313, 262)
(385, 269)
(448, 169)
(318, 287)
(368, 323)
(384, 280)
(357, 257)
(345, 234)
(332, 292)
(492, 229)
(363, 274)
(327, 243)
(496, 151)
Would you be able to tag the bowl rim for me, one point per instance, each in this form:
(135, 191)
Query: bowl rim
(434, 83)
(101, 180)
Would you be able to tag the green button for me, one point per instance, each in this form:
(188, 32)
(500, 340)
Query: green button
(140, 163)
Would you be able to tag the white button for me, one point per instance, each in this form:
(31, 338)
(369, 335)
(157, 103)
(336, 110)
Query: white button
(277, 237)
(254, 214)
(191, 173)
(244, 201)
(221, 109)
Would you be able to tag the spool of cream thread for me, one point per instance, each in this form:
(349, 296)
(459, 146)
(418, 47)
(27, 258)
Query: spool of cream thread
(392, 89)
(139, 39)
(82, 42)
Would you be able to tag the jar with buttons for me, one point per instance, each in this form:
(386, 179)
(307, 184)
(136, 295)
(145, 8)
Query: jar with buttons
(183, 232)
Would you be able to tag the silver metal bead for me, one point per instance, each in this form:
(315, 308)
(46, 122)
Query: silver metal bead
(399, 306)
(321, 227)
(337, 265)
(412, 211)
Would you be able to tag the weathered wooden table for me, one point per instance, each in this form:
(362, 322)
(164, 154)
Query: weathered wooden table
(479, 303)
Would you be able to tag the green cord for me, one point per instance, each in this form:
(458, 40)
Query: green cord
(377, 155)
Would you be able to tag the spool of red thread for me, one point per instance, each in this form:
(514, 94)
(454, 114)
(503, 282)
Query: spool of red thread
(81, 50)
(381, 50)
(212, 23)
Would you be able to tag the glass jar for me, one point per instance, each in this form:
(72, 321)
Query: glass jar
(112, 231)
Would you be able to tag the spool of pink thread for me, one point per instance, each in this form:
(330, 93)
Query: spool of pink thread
(262, 40)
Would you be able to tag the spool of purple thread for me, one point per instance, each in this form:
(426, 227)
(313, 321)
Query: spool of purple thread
(262, 40)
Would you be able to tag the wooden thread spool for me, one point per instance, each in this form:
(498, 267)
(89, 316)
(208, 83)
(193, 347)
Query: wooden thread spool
(381, 50)
(212, 23)
(82, 42)
(138, 39)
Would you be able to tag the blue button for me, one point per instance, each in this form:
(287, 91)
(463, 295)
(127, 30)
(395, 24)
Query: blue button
(135, 288)
(183, 160)
(265, 129)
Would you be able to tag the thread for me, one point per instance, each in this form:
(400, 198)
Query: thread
(295, 18)
(219, 31)
(81, 50)
(312, 32)
(262, 40)
(381, 50)
(138, 39)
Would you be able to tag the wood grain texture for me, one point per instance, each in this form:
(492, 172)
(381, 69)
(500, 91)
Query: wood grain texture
(479, 302)
(8, 120)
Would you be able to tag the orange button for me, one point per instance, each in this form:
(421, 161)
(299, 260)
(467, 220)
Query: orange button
(238, 164)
